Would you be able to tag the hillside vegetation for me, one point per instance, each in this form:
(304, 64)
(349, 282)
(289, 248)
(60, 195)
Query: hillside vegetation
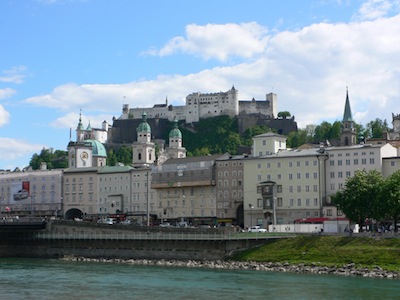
(329, 251)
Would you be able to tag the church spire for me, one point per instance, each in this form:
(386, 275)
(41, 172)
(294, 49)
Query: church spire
(347, 116)
(348, 132)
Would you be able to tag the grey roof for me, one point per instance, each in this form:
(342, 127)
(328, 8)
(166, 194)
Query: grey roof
(192, 159)
(292, 153)
(115, 169)
(270, 134)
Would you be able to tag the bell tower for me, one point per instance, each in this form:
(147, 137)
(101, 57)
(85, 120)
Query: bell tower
(348, 135)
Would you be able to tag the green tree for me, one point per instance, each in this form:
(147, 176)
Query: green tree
(296, 138)
(360, 199)
(253, 131)
(111, 157)
(284, 114)
(375, 129)
(124, 155)
(390, 197)
(322, 132)
(54, 159)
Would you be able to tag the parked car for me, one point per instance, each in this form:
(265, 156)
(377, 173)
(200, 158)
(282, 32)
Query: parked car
(165, 224)
(106, 221)
(125, 222)
(21, 195)
(256, 229)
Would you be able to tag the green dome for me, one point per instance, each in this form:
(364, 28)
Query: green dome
(144, 126)
(175, 132)
(98, 148)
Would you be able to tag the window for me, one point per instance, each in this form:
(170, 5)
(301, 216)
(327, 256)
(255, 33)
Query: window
(371, 161)
(290, 164)
(298, 164)
(339, 162)
(315, 201)
(329, 212)
(290, 176)
(279, 204)
(279, 188)
(355, 161)
(364, 161)
(332, 163)
(332, 174)
(340, 174)
(258, 166)
(348, 174)
(290, 189)
(299, 202)
(307, 188)
(307, 201)
(291, 202)
(298, 175)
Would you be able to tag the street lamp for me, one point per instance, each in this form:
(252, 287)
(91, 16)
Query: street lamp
(251, 214)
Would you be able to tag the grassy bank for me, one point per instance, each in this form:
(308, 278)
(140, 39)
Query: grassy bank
(329, 251)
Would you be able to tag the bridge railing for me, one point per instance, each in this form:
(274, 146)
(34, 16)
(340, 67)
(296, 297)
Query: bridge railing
(150, 235)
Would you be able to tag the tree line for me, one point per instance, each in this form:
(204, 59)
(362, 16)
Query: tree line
(369, 197)
(220, 135)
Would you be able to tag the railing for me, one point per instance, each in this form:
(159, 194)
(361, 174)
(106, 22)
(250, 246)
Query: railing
(214, 236)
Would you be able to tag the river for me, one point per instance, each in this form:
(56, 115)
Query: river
(22, 278)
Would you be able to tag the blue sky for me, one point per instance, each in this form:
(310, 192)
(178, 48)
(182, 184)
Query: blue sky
(58, 57)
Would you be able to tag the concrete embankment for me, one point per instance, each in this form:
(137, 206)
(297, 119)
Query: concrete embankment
(126, 242)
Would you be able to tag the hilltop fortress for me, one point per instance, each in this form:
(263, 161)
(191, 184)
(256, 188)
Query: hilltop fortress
(200, 106)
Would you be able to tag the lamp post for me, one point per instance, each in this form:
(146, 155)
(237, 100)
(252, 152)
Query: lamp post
(147, 201)
(251, 214)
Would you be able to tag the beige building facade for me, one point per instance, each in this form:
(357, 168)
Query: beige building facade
(283, 187)
(186, 190)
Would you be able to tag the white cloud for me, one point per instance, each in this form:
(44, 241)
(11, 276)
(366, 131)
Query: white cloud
(308, 69)
(71, 120)
(14, 75)
(218, 41)
(12, 149)
(6, 93)
(374, 9)
(4, 116)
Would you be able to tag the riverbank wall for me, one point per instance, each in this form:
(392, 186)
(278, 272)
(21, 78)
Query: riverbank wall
(64, 238)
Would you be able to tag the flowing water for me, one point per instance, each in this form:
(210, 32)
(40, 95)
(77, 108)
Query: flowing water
(55, 279)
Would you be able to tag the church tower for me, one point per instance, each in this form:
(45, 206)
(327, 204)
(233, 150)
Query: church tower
(348, 135)
(143, 150)
(85, 152)
(175, 149)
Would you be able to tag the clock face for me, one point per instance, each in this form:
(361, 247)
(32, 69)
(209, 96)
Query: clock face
(84, 155)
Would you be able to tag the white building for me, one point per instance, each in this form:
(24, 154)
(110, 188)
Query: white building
(37, 192)
(205, 105)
